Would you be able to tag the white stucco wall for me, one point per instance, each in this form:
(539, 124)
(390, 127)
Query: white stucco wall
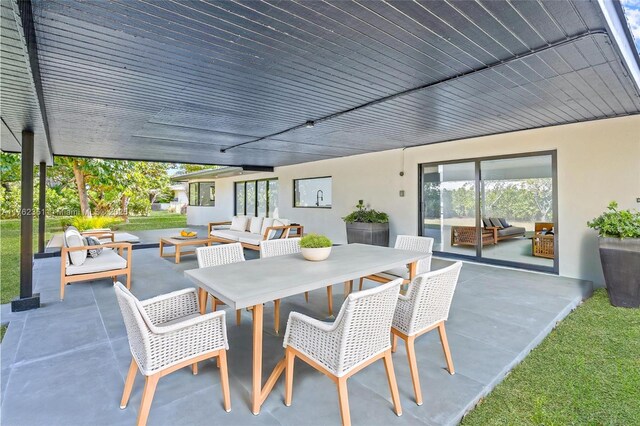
(598, 162)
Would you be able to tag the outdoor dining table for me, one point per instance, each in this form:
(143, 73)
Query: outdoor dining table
(250, 284)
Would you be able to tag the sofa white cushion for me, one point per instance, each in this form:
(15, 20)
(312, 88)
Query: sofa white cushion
(266, 223)
(228, 235)
(256, 224)
(254, 239)
(72, 238)
(239, 223)
(107, 261)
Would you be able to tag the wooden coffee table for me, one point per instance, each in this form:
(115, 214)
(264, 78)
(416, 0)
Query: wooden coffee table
(180, 243)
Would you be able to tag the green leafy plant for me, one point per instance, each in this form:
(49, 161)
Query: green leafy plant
(84, 223)
(617, 223)
(315, 241)
(364, 215)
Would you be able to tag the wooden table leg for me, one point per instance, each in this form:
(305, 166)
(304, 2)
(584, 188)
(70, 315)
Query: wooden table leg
(177, 254)
(202, 300)
(161, 247)
(413, 267)
(256, 387)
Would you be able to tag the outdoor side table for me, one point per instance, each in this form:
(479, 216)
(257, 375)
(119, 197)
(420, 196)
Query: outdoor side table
(179, 244)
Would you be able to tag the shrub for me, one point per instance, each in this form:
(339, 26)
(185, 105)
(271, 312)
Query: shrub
(617, 223)
(84, 223)
(364, 215)
(315, 241)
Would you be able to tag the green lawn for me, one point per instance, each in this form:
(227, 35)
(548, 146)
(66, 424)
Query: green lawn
(10, 243)
(586, 372)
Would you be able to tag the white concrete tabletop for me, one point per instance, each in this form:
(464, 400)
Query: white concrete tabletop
(250, 283)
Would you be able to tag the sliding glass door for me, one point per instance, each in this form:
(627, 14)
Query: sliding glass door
(499, 210)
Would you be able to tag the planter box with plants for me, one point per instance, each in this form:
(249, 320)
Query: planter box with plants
(367, 226)
(315, 247)
(620, 254)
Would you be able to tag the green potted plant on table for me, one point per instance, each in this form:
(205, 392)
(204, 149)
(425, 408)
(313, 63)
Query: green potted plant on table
(315, 247)
(367, 226)
(620, 254)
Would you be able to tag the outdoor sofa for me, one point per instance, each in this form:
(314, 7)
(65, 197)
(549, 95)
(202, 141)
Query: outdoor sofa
(494, 230)
(250, 231)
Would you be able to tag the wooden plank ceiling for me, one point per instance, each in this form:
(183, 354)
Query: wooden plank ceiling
(181, 81)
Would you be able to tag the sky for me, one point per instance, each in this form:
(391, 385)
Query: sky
(632, 10)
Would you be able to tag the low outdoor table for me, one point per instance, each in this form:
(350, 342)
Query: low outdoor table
(250, 284)
(179, 243)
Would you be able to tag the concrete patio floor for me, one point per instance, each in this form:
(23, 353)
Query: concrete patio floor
(65, 363)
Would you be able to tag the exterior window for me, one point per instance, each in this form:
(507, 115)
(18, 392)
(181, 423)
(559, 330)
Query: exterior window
(499, 210)
(202, 194)
(256, 197)
(312, 192)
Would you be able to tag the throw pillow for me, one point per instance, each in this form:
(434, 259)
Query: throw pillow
(495, 222)
(504, 222)
(72, 238)
(486, 222)
(93, 241)
(266, 223)
(239, 223)
(256, 224)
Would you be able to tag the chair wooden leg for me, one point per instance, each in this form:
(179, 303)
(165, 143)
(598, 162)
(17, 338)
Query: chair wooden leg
(238, 317)
(129, 280)
(361, 282)
(330, 300)
(288, 384)
(306, 296)
(394, 343)
(276, 316)
(445, 347)
(343, 396)
(147, 397)
(128, 384)
(393, 385)
(224, 380)
(413, 367)
(194, 368)
(62, 287)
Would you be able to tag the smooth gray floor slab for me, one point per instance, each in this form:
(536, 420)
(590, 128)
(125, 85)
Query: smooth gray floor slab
(65, 363)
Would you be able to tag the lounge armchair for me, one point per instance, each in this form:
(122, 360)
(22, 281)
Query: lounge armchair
(250, 231)
(76, 266)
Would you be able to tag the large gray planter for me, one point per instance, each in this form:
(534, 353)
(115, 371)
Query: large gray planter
(621, 266)
(376, 234)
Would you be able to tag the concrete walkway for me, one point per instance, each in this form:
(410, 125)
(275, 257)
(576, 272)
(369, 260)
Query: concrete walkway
(65, 363)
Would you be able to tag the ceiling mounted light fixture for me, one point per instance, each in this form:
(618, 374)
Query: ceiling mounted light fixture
(309, 124)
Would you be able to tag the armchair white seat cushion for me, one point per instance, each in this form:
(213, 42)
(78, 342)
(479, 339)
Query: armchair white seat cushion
(107, 260)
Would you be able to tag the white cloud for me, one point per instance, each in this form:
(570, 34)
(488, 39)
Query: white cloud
(632, 11)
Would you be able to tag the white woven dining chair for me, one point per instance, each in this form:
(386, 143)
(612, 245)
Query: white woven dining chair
(411, 243)
(425, 307)
(284, 246)
(221, 254)
(358, 337)
(167, 333)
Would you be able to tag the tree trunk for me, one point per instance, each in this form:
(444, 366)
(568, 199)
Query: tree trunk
(124, 209)
(85, 209)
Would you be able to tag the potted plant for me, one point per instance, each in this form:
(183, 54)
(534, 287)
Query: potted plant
(620, 254)
(315, 247)
(367, 226)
